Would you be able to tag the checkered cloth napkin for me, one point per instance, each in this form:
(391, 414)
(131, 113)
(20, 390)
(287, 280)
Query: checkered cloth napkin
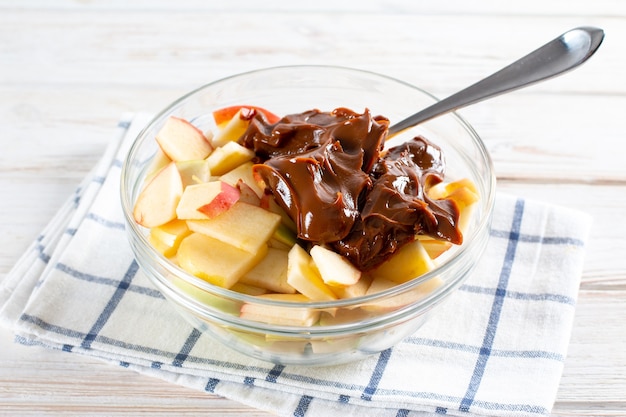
(497, 348)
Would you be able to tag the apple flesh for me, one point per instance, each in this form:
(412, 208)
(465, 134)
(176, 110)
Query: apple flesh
(206, 200)
(192, 172)
(244, 226)
(157, 202)
(270, 273)
(243, 173)
(279, 315)
(227, 157)
(231, 130)
(335, 269)
(434, 248)
(247, 194)
(304, 277)
(182, 141)
(167, 237)
(409, 262)
(395, 302)
(214, 261)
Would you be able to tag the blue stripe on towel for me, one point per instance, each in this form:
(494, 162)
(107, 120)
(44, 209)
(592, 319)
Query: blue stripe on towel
(496, 309)
(211, 384)
(106, 281)
(104, 222)
(111, 305)
(189, 344)
(274, 373)
(303, 406)
(462, 347)
(383, 360)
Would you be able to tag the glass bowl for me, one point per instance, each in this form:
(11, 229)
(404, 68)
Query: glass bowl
(348, 329)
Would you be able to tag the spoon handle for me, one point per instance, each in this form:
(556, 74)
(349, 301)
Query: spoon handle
(554, 58)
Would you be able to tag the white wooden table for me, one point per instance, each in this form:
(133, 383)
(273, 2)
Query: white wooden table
(69, 69)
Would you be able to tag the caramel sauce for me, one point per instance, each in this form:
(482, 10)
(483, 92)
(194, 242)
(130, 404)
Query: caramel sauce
(330, 173)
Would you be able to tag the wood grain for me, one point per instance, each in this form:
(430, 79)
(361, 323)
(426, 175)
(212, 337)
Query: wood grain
(69, 69)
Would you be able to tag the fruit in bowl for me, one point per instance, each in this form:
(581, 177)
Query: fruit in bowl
(283, 233)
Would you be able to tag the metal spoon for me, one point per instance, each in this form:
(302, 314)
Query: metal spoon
(554, 58)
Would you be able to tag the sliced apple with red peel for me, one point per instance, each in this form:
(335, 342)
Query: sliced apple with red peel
(157, 202)
(409, 262)
(303, 276)
(279, 315)
(270, 273)
(182, 141)
(214, 261)
(222, 202)
(231, 130)
(335, 269)
(247, 194)
(167, 237)
(244, 226)
(225, 114)
(228, 157)
(244, 173)
(206, 200)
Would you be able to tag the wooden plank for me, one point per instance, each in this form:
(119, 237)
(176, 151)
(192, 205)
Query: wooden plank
(453, 7)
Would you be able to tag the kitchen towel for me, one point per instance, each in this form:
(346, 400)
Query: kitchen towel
(497, 347)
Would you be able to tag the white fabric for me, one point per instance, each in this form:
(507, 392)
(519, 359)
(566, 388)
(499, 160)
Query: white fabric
(497, 348)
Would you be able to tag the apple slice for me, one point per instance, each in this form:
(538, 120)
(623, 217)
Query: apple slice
(270, 273)
(227, 157)
(398, 301)
(158, 162)
(206, 200)
(248, 289)
(157, 202)
(356, 290)
(284, 236)
(194, 171)
(244, 226)
(214, 261)
(303, 276)
(410, 261)
(225, 114)
(167, 237)
(232, 130)
(434, 247)
(182, 141)
(247, 194)
(335, 269)
(244, 173)
(443, 190)
(464, 193)
(279, 315)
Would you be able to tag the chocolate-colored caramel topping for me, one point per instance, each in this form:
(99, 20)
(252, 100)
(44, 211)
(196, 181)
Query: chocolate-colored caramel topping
(328, 171)
(316, 165)
(397, 208)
